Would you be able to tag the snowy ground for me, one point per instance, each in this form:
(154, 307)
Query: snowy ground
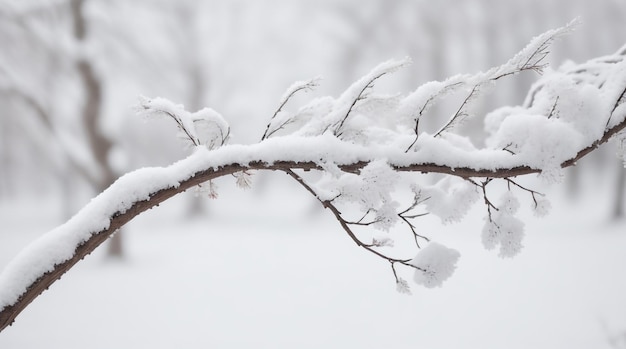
(269, 269)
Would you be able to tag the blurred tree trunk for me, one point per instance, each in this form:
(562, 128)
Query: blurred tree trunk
(99, 144)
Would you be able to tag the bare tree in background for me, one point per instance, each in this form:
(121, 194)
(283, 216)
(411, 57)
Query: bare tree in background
(91, 111)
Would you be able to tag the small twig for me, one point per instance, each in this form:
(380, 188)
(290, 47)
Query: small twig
(488, 203)
(179, 123)
(360, 96)
(365, 215)
(306, 86)
(533, 193)
(459, 113)
(556, 101)
(617, 104)
(506, 149)
(345, 225)
(532, 63)
(430, 100)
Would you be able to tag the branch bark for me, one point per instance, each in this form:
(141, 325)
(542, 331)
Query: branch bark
(119, 219)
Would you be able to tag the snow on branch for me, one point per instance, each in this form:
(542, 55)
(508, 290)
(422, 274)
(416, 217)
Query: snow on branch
(367, 148)
(278, 120)
(205, 127)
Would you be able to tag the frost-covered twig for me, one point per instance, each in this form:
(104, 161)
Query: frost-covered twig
(406, 217)
(346, 224)
(531, 58)
(296, 87)
(358, 91)
(533, 193)
(206, 127)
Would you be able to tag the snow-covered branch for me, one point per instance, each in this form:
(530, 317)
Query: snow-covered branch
(368, 150)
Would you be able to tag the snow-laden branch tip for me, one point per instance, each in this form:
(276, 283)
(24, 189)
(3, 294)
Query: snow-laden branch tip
(278, 121)
(366, 147)
(530, 58)
(358, 91)
(206, 127)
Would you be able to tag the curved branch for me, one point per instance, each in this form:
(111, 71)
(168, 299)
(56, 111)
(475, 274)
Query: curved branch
(207, 171)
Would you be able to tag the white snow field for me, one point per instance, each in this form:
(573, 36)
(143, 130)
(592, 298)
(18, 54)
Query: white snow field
(268, 268)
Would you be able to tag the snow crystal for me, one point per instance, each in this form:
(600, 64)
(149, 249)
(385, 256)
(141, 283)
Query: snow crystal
(490, 235)
(435, 263)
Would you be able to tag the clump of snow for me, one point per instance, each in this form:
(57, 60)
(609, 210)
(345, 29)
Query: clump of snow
(509, 203)
(503, 229)
(435, 263)
(539, 141)
(370, 189)
(450, 199)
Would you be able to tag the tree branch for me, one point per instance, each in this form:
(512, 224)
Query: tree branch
(119, 219)
(141, 190)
